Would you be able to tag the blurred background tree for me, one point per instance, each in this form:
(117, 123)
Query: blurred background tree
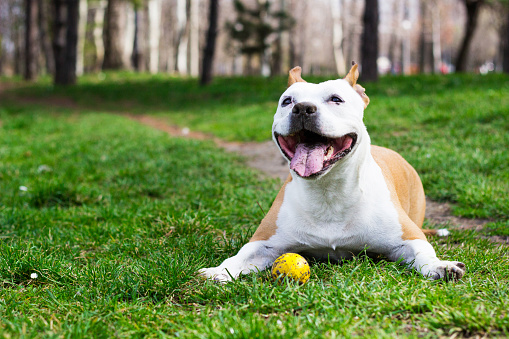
(66, 37)
(254, 32)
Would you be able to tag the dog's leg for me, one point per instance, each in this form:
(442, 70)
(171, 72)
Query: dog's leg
(259, 253)
(421, 255)
(254, 256)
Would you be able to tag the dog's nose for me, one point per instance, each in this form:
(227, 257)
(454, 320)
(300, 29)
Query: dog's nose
(304, 108)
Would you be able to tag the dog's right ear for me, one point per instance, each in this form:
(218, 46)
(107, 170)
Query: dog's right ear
(295, 76)
(352, 75)
(351, 78)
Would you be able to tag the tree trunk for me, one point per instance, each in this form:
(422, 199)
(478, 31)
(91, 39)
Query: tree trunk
(422, 37)
(45, 39)
(127, 37)
(31, 35)
(113, 51)
(337, 36)
(505, 37)
(405, 39)
(210, 45)
(82, 27)
(277, 55)
(369, 47)
(393, 42)
(65, 40)
(437, 47)
(194, 38)
(350, 32)
(473, 8)
(98, 34)
(19, 49)
(138, 58)
(154, 30)
(182, 37)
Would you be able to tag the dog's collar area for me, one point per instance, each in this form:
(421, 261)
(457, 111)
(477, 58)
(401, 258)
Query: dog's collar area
(311, 154)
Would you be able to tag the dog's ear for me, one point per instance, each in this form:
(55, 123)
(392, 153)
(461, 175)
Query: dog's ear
(351, 78)
(295, 76)
(362, 92)
(352, 75)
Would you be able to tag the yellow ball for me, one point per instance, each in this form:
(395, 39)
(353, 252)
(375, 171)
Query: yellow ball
(291, 265)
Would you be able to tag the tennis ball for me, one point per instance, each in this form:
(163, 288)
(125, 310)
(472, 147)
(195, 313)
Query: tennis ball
(291, 265)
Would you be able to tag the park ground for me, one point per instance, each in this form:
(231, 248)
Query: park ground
(104, 219)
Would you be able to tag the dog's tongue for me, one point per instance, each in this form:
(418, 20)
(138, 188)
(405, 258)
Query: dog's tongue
(308, 159)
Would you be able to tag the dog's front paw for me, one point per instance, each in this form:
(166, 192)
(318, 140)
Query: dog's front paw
(216, 273)
(448, 270)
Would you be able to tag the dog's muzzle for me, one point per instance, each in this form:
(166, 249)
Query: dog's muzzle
(311, 154)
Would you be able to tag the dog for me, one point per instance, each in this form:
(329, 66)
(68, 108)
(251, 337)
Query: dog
(343, 196)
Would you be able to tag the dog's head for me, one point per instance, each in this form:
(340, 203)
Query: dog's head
(317, 126)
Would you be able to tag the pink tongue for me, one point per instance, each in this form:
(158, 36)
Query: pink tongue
(308, 159)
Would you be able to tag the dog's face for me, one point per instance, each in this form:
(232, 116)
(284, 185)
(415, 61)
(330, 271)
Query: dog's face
(317, 126)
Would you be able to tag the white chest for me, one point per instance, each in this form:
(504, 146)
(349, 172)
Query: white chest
(337, 221)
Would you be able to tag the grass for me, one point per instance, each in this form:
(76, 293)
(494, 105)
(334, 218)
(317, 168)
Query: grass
(116, 218)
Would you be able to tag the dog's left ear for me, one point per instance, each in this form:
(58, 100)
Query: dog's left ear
(295, 76)
(351, 78)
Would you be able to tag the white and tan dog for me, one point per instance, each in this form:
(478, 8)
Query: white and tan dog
(343, 195)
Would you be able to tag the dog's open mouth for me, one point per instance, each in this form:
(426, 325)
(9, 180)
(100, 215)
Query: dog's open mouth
(311, 154)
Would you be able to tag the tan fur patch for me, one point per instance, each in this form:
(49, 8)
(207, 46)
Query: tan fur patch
(362, 92)
(268, 225)
(352, 75)
(407, 193)
(295, 76)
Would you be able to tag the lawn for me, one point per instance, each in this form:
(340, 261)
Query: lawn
(104, 222)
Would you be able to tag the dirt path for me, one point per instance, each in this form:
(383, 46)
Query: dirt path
(266, 158)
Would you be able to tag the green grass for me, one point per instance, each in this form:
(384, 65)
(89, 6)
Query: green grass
(117, 217)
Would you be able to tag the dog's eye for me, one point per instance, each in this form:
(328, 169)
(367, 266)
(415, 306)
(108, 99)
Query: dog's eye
(336, 98)
(286, 102)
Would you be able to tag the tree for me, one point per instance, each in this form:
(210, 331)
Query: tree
(194, 38)
(435, 33)
(138, 57)
(473, 8)
(113, 50)
(369, 42)
(44, 36)
(394, 39)
(505, 62)
(182, 37)
(210, 45)
(253, 28)
(422, 36)
(31, 34)
(337, 36)
(65, 40)
(154, 30)
(82, 27)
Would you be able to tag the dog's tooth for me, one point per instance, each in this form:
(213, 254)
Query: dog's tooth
(330, 151)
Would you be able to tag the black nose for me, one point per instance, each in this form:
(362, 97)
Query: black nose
(304, 108)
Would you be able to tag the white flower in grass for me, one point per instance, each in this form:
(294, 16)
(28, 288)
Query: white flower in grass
(34, 276)
(232, 330)
(279, 322)
(23, 188)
